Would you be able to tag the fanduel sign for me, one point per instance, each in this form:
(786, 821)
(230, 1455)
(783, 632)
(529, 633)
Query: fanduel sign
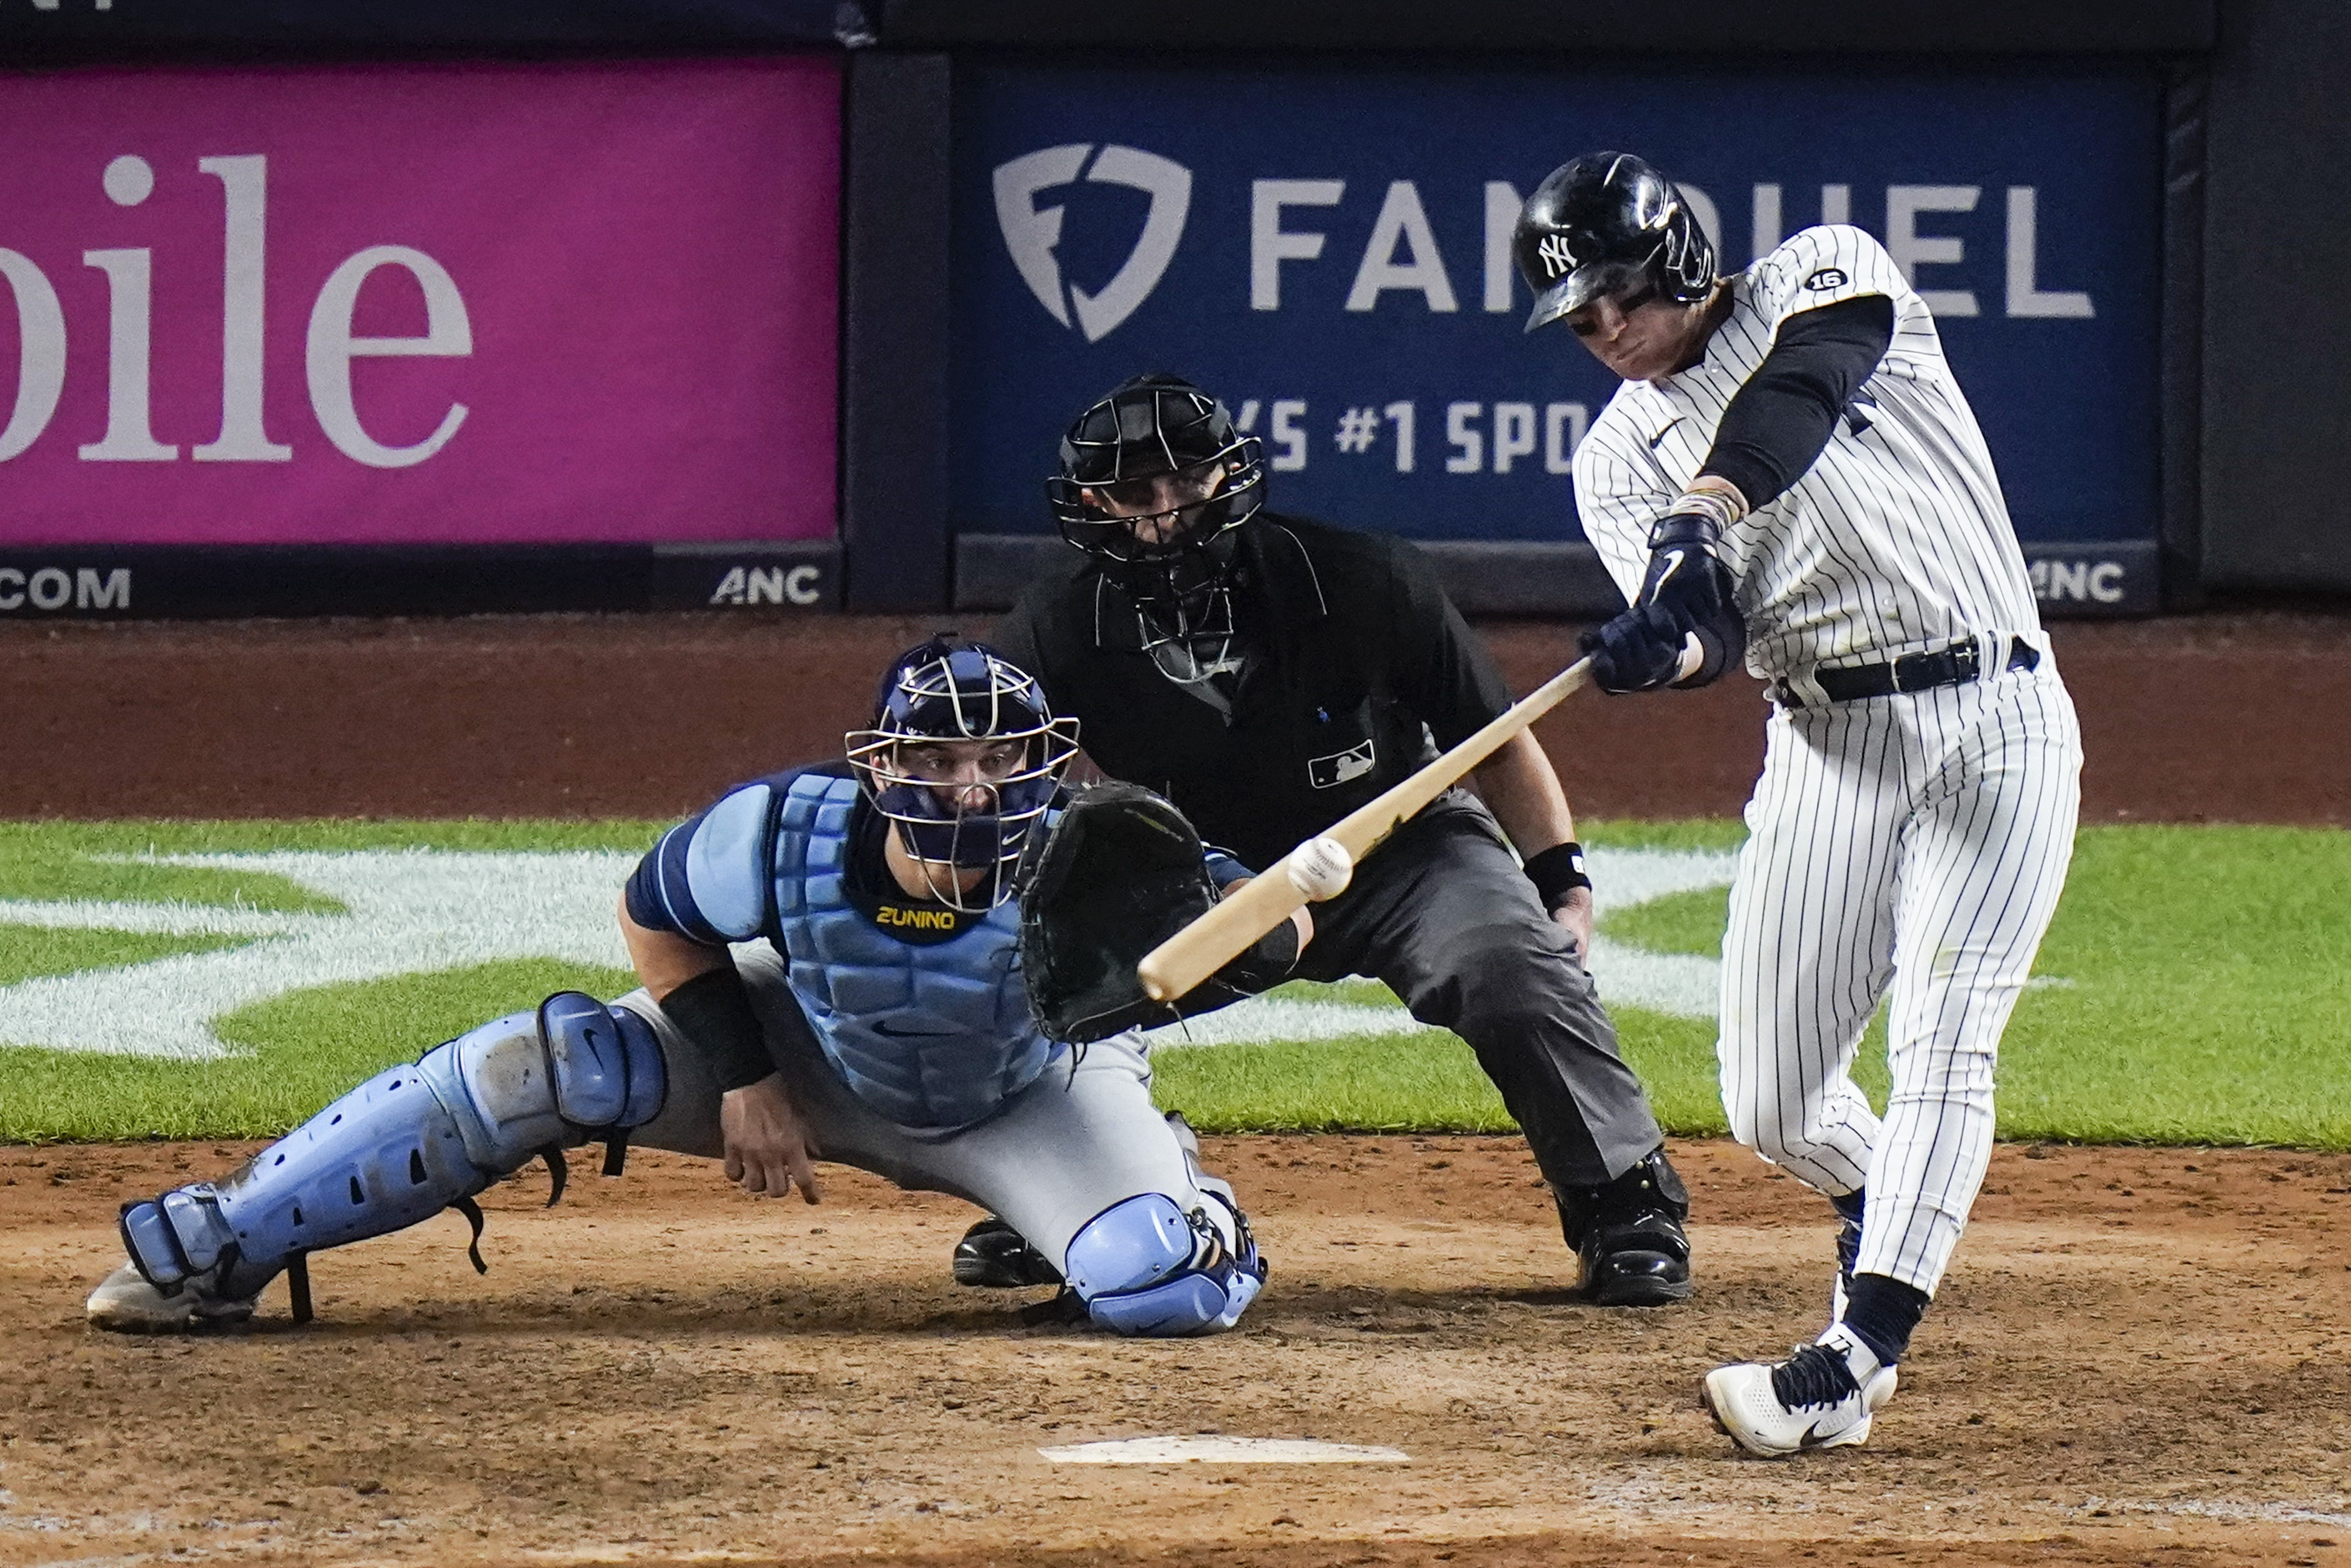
(1401, 253)
(1329, 253)
(401, 305)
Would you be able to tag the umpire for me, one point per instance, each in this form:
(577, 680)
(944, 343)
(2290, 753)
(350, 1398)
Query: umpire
(1269, 675)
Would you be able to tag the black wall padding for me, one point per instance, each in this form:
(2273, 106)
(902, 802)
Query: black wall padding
(2179, 531)
(1559, 26)
(895, 328)
(79, 31)
(2277, 293)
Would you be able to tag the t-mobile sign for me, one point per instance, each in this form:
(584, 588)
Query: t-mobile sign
(433, 305)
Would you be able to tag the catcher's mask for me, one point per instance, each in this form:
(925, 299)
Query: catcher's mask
(963, 758)
(1154, 479)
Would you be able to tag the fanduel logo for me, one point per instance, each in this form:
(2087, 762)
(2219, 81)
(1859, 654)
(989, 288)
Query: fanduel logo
(1031, 232)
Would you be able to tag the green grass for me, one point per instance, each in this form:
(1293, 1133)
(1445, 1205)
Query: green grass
(54, 861)
(2209, 1001)
(1681, 833)
(27, 951)
(1679, 922)
(305, 1049)
(2212, 995)
(2207, 996)
(1412, 1083)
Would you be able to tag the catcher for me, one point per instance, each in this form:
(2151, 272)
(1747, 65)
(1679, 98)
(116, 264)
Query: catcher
(884, 1022)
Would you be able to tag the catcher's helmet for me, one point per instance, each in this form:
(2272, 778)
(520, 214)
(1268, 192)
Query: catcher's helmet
(960, 809)
(1152, 476)
(1597, 225)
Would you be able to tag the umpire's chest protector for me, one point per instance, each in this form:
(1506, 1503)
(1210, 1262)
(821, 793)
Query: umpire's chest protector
(933, 1036)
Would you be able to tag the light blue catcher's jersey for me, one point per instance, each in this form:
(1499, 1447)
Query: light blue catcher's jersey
(920, 1008)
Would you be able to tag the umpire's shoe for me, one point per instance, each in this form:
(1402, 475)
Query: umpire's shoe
(1627, 1235)
(1820, 1397)
(995, 1257)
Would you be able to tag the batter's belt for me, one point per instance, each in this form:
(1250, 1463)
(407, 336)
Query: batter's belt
(1953, 666)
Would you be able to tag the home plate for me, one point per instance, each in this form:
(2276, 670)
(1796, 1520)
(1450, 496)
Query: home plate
(1211, 1449)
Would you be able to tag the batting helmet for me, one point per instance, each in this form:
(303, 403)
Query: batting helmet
(957, 812)
(1600, 223)
(1154, 476)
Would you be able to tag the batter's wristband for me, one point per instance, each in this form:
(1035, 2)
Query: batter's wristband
(1558, 872)
(713, 1012)
(1722, 507)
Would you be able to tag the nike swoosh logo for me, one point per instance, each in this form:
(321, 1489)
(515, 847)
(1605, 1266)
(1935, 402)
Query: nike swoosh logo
(1814, 1437)
(882, 1026)
(1663, 434)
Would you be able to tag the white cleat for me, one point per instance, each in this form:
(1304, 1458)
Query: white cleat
(1822, 1396)
(126, 1303)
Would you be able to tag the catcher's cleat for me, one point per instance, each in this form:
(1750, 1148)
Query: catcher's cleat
(1822, 1396)
(1630, 1248)
(126, 1303)
(993, 1256)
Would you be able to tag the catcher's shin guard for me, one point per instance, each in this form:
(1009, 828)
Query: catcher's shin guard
(407, 1144)
(1142, 1266)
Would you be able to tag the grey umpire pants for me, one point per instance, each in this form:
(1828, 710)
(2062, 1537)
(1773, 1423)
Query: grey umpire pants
(1442, 913)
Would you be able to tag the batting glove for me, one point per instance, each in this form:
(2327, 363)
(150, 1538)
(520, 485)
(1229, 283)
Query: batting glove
(1639, 651)
(1686, 592)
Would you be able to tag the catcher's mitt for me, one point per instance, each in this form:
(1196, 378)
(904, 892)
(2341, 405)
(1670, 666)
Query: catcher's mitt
(1120, 872)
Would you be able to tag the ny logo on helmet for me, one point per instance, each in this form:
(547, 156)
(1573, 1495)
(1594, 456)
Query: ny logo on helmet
(1031, 232)
(1557, 254)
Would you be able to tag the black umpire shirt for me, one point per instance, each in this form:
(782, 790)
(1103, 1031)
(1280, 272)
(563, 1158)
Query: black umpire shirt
(1351, 649)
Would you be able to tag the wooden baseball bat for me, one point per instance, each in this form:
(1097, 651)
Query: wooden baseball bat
(1229, 930)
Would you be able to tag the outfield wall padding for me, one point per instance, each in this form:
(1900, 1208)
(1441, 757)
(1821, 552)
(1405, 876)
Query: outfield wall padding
(1562, 27)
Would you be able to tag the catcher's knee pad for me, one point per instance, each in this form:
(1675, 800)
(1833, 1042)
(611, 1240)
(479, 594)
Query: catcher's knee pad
(1142, 1266)
(571, 1072)
(409, 1142)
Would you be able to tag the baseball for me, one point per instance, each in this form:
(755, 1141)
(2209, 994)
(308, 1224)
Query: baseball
(1320, 868)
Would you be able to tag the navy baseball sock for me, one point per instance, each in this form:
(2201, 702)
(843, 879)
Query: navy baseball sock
(1882, 1312)
(1849, 1205)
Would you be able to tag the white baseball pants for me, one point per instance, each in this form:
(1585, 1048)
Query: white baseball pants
(1908, 848)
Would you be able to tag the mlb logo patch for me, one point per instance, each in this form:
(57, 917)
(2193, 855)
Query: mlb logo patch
(1330, 772)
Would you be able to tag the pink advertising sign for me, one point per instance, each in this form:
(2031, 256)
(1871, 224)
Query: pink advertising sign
(420, 305)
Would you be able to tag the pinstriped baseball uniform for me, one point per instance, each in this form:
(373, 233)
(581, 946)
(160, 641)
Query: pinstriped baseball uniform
(1908, 848)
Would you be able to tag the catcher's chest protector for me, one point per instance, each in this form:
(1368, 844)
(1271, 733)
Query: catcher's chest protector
(930, 1035)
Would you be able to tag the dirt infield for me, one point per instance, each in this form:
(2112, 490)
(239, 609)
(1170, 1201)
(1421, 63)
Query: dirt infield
(2236, 718)
(2138, 1359)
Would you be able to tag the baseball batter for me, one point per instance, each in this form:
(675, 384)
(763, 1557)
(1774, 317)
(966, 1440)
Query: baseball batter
(884, 1022)
(1791, 472)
